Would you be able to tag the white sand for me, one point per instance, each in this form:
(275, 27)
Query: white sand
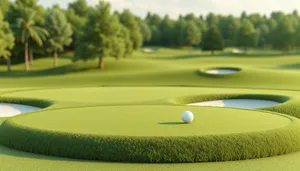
(221, 71)
(9, 110)
(148, 50)
(238, 51)
(237, 103)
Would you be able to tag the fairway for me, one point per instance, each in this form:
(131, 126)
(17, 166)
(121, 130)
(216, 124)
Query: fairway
(125, 110)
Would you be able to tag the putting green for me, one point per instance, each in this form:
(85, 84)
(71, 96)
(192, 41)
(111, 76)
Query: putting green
(151, 121)
(121, 133)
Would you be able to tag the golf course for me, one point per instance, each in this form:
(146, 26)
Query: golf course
(128, 115)
(127, 85)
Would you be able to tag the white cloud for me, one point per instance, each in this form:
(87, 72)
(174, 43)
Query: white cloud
(176, 7)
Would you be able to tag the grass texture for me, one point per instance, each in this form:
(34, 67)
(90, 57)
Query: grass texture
(226, 147)
(154, 79)
(94, 133)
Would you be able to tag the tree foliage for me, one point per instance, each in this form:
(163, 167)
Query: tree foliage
(212, 40)
(166, 27)
(180, 27)
(80, 7)
(16, 11)
(229, 27)
(4, 4)
(192, 34)
(6, 41)
(145, 30)
(284, 34)
(130, 22)
(60, 32)
(103, 36)
(27, 30)
(247, 35)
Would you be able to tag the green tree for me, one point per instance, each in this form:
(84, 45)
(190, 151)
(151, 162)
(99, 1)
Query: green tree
(80, 7)
(201, 24)
(212, 20)
(4, 6)
(16, 11)
(256, 19)
(77, 22)
(192, 34)
(297, 36)
(272, 25)
(247, 35)
(296, 13)
(6, 41)
(167, 30)
(27, 30)
(190, 17)
(77, 14)
(243, 15)
(284, 35)
(153, 20)
(145, 30)
(277, 15)
(156, 35)
(212, 40)
(263, 32)
(129, 21)
(125, 35)
(229, 27)
(60, 33)
(100, 34)
(179, 30)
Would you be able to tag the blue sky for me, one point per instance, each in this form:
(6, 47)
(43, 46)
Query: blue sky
(176, 7)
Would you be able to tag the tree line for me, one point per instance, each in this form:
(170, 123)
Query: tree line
(28, 29)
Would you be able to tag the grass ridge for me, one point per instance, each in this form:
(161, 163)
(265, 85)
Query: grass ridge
(153, 149)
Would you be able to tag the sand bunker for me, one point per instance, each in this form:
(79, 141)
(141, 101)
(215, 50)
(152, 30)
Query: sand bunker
(221, 71)
(238, 103)
(9, 110)
(238, 51)
(148, 50)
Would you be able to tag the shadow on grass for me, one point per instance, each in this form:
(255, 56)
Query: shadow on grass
(61, 70)
(295, 66)
(171, 123)
(228, 54)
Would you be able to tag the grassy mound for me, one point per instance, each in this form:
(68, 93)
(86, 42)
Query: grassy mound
(203, 72)
(202, 98)
(27, 101)
(96, 134)
(142, 70)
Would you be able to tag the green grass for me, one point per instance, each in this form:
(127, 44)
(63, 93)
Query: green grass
(153, 120)
(160, 78)
(148, 120)
(65, 139)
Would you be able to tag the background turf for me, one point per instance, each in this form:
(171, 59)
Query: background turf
(168, 67)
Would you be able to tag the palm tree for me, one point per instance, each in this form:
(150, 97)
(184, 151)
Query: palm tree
(27, 30)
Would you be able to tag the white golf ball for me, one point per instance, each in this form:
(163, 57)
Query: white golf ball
(187, 116)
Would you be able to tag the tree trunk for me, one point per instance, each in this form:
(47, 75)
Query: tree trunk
(101, 63)
(26, 57)
(212, 51)
(8, 64)
(30, 56)
(55, 59)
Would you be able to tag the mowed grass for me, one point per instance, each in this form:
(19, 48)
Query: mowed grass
(156, 113)
(145, 70)
(260, 70)
(142, 120)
